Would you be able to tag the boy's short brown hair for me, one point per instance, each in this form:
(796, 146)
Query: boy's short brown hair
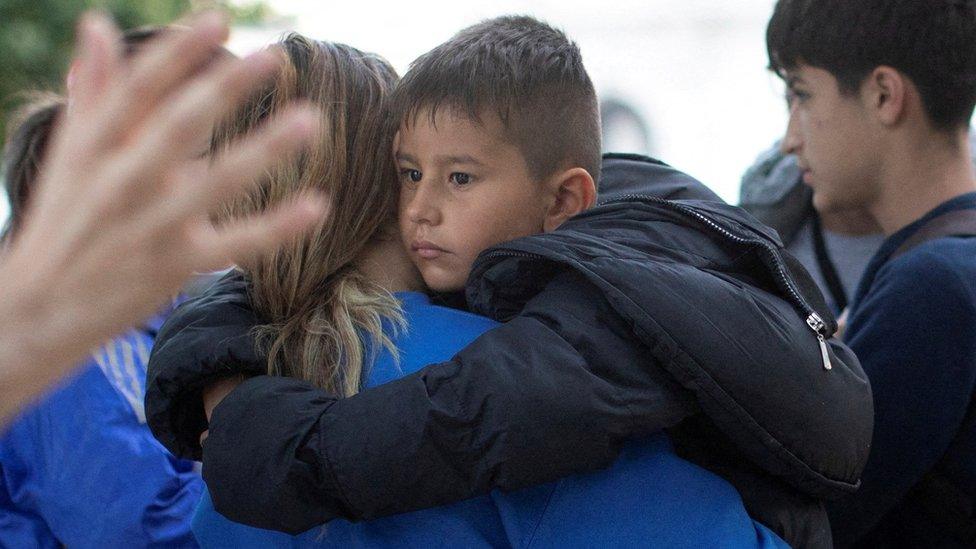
(527, 72)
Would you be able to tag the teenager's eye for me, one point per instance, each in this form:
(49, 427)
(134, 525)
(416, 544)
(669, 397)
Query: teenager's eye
(795, 96)
(460, 178)
(409, 174)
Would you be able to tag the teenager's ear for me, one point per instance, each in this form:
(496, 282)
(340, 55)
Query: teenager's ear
(887, 92)
(573, 192)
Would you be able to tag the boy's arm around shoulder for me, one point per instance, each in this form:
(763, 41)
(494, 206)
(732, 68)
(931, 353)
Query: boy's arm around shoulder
(206, 339)
(915, 333)
(551, 393)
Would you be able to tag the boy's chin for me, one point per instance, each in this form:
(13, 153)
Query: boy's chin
(443, 286)
(441, 279)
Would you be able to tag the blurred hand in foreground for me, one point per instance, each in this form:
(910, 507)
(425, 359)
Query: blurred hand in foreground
(121, 218)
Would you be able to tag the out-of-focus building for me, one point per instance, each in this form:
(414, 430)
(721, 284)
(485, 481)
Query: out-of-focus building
(681, 80)
(684, 80)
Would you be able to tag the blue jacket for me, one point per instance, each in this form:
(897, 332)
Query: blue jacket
(913, 325)
(649, 496)
(81, 469)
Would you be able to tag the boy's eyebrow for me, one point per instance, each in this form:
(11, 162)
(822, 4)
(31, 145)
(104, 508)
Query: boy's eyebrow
(442, 160)
(458, 159)
(403, 157)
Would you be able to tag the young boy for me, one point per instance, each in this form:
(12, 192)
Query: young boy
(684, 315)
(881, 96)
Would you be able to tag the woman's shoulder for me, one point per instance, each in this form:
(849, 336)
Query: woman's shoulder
(434, 333)
(422, 314)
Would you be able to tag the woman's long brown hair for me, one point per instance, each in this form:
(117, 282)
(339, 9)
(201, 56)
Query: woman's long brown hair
(324, 319)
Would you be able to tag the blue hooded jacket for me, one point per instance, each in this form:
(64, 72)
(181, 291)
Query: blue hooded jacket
(81, 469)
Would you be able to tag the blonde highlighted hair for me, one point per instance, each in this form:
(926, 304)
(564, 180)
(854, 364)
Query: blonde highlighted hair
(324, 319)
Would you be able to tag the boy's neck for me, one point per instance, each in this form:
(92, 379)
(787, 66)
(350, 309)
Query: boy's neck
(920, 174)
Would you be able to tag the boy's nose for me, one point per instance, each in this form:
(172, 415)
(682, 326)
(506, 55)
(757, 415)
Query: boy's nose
(422, 206)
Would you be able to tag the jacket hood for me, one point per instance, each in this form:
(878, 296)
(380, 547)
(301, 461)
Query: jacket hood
(627, 177)
(720, 305)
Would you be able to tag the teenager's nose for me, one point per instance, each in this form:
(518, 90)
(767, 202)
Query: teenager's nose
(423, 205)
(791, 141)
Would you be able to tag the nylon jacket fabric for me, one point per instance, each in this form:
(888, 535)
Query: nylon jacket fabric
(81, 469)
(692, 318)
(772, 190)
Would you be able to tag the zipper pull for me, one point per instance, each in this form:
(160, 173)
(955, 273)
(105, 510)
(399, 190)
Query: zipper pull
(818, 325)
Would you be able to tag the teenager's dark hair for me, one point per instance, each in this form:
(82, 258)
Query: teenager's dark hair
(527, 72)
(932, 42)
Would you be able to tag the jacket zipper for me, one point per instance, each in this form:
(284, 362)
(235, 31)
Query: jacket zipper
(813, 319)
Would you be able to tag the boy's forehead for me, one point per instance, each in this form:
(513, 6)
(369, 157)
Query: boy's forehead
(450, 135)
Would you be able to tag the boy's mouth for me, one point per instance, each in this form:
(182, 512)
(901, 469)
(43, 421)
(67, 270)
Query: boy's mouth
(427, 250)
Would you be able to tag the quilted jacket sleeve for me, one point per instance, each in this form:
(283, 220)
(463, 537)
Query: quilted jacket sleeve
(205, 339)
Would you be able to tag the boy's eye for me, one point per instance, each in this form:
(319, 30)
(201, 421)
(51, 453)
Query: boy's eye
(414, 176)
(460, 178)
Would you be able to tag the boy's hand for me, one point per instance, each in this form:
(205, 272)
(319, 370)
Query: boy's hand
(213, 394)
(120, 218)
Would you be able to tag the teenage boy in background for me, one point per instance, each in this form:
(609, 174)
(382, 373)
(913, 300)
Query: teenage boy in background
(624, 318)
(881, 95)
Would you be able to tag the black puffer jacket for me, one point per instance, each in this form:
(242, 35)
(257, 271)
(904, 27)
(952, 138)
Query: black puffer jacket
(654, 310)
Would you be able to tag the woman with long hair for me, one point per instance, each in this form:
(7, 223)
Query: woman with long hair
(325, 295)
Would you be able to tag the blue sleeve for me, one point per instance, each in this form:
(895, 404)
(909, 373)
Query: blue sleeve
(914, 335)
(84, 463)
(20, 527)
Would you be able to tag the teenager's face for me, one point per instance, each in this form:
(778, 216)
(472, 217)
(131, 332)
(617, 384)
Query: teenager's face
(463, 189)
(832, 135)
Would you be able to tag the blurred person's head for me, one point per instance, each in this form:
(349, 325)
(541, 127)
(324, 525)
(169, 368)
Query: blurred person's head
(24, 148)
(868, 80)
(30, 130)
(499, 138)
(314, 295)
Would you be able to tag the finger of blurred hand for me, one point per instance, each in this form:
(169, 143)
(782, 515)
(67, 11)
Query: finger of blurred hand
(172, 131)
(241, 240)
(75, 139)
(97, 57)
(162, 66)
(276, 141)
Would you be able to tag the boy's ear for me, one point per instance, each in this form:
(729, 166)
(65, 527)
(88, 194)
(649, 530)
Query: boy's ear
(573, 192)
(887, 92)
